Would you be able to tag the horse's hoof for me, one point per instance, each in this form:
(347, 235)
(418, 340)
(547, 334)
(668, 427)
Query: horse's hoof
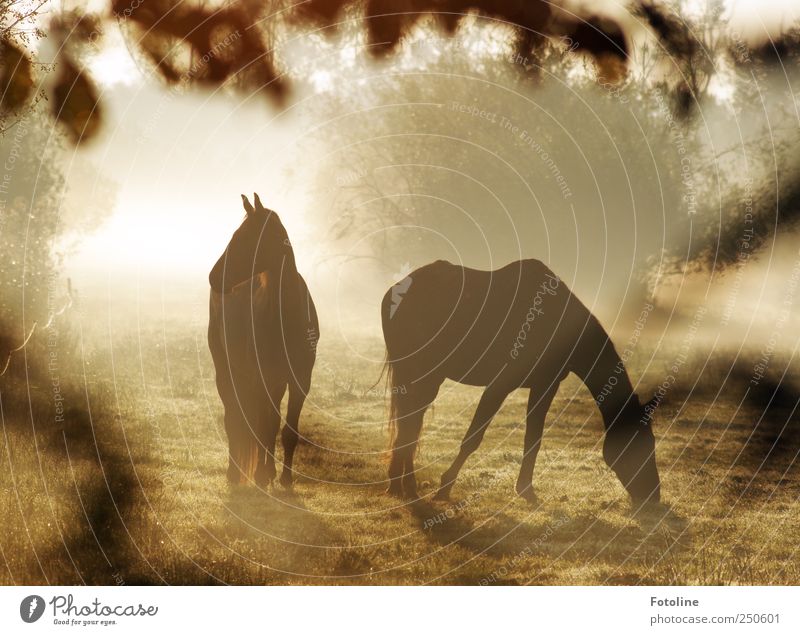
(286, 480)
(395, 489)
(263, 478)
(233, 475)
(528, 495)
(409, 484)
(442, 494)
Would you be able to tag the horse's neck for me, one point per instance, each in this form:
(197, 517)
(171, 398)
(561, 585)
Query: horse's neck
(604, 373)
(289, 287)
(277, 282)
(286, 297)
(284, 279)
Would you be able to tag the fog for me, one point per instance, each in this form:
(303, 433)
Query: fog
(658, 179)
(453, 149)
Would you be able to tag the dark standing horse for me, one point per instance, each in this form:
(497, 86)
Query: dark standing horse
(263, 333)
(517, 327)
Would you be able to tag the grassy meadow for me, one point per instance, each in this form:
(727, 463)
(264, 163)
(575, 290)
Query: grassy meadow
(129, 488)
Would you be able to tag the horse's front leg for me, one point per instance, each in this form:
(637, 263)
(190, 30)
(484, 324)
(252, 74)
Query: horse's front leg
(238, 445)
(539, 401)
(269, 422)
(491, 400)
(291, 431)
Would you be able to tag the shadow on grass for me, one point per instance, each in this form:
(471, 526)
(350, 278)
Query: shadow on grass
(83, 435)
(282, 535)
(271, 512)
(769, 455)
(579, 539)
(766, 452)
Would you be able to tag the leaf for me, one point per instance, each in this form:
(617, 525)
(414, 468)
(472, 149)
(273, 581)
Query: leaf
(599, 37)
(16, 77)
(672, 31)
(85, 27)
(201, 45)
(387, 21)
(318, 12)
(75, 103)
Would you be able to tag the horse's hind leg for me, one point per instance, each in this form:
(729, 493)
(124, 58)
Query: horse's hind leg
(491, 400)
(411, 402)
(269, 422)
(291, 431)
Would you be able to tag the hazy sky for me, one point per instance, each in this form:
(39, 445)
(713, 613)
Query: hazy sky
(180, 162)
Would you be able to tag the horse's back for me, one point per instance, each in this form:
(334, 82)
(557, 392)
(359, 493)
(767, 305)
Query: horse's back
(473, 326)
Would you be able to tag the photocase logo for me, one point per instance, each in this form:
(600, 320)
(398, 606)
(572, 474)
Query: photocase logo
(399, 288)
(31, 608)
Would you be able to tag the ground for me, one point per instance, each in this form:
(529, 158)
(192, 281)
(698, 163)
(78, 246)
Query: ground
(130, 487)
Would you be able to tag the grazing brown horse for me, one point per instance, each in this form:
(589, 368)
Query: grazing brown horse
(263, 333)
(517, 327)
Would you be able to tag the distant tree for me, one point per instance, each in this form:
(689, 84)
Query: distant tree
(36, 214)
(492, 157)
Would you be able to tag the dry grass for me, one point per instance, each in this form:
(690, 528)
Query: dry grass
(131, 487)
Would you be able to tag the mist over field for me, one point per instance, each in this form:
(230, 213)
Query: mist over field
(658, 180)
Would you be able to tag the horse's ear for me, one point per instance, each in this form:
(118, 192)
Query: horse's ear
(247, 206)
(257, 201)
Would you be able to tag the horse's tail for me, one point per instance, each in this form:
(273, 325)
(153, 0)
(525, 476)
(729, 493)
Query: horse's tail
(393, 399)
(387, 369)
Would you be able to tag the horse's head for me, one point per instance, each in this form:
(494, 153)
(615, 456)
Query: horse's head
(629, 450)
(259, 244)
